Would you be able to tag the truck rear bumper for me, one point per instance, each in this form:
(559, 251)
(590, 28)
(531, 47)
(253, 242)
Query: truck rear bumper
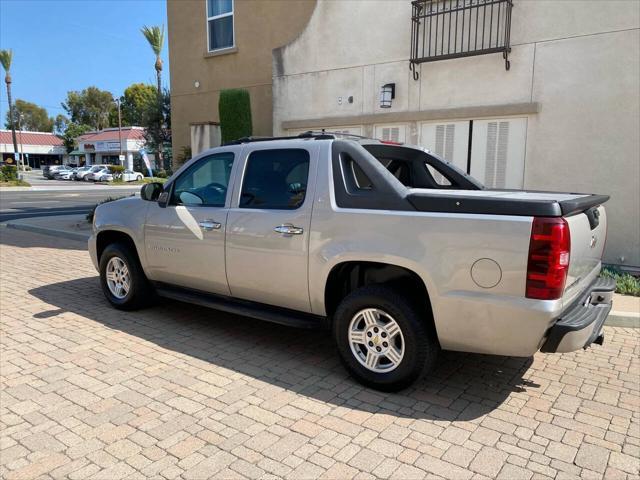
(581, 324)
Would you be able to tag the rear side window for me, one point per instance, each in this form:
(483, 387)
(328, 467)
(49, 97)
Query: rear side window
(275, 179)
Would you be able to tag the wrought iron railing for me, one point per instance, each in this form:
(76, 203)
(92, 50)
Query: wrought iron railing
(445, 29)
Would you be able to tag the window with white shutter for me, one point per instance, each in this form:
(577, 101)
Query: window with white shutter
(391, 133)
(497, 152)
(448, 140)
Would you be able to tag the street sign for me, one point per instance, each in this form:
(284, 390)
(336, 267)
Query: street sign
(121, 158)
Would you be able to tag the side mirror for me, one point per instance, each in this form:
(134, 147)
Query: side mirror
(151, 191)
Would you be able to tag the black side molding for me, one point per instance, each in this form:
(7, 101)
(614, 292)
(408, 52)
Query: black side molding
(283, 316)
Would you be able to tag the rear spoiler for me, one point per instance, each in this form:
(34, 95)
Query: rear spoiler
(425, 202)
(579, 205)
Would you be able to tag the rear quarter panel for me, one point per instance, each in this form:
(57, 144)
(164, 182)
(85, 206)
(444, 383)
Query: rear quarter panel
(441, 249)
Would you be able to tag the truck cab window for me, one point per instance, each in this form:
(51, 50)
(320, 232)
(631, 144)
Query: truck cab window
(205, 183)
(275, 179)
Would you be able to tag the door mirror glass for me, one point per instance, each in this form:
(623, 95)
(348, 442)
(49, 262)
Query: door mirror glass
(151, 191)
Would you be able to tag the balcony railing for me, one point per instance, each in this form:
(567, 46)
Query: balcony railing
(445, 29)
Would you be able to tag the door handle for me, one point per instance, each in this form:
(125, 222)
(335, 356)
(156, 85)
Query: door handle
(209, 225)
(288, 229)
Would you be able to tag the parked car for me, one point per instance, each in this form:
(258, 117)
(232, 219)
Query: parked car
(94, 173)
(395, 263)
(64, 174)
(81, 172)
(49, 170)
(127, 176)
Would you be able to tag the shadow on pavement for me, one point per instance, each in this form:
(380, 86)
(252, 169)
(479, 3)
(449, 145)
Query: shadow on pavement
(462, 386)
(19, 238)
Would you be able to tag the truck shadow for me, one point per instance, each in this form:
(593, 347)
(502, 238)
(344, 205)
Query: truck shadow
(461, 387)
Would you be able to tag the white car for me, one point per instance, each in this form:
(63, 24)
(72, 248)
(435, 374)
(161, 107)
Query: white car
(127, 176)
(81, 172)
(95, 173)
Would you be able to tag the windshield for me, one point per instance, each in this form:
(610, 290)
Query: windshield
(96, 169)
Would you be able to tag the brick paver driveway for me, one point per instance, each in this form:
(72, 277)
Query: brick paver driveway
(178, 391)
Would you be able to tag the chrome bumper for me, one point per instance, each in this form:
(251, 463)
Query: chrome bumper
(581, 324)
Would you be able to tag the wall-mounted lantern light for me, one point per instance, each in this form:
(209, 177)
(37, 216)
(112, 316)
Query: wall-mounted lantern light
(387, 93)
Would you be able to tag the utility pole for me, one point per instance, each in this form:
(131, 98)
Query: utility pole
(21, 146)
(117, 100)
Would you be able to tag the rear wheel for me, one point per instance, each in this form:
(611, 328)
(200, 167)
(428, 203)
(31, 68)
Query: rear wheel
(139, 178)
(382, 340)
(123, 282)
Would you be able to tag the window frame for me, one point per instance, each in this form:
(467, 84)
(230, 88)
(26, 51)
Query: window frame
(216, 17)
(245, 166)
(195, 165)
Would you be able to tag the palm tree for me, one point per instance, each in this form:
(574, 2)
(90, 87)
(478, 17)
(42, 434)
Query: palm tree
(155, 37)
(5, 59)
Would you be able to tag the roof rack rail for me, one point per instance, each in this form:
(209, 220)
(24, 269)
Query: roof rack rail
(311, 134)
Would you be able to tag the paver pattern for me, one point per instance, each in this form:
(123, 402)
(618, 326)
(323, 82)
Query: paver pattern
(178, 391)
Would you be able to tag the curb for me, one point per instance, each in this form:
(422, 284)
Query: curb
(619, 319)
(82, 237)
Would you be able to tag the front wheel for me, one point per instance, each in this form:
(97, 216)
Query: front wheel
(123, 281)
(382, 340)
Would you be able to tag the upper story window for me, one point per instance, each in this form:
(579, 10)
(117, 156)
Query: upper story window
(220, 24)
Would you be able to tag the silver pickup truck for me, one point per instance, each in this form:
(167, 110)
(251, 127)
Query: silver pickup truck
(395, 250)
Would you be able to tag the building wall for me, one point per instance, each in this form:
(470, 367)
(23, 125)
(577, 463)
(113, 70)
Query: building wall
(260, 26)
(573, 84)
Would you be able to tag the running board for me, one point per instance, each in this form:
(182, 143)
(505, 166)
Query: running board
(268, 313)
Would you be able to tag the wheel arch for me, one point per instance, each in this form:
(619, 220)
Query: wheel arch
(107, 237)
(347, 276)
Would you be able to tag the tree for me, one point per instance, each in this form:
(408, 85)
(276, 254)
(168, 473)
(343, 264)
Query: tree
(6, 56)
(135, 102)
(155, 37)
(234, 110)
(60, 124)
(157, 124)
(73, 131)
(30, 117)
(90, 107)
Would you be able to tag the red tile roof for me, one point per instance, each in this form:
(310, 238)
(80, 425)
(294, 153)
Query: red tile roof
(128, 133)
(30, 138)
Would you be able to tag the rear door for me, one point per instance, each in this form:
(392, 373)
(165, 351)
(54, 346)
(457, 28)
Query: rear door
(269, 226)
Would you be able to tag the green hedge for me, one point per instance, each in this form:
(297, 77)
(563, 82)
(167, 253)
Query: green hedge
(8, 173)
(234, 108)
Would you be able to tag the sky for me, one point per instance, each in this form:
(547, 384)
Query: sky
(62, 45)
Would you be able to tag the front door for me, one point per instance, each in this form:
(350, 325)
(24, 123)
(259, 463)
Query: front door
(268, 229)
(184, 241)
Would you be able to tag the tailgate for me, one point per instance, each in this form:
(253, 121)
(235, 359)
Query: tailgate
(588, 234)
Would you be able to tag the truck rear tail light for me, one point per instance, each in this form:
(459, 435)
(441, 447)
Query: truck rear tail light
(548, 263)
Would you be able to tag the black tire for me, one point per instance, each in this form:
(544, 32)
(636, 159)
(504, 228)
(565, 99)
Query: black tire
(140, 293)
(420, 343)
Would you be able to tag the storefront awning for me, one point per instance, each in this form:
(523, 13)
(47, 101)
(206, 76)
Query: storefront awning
(76, 152)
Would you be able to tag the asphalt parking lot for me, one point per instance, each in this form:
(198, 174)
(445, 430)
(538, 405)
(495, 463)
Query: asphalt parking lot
(178, 391)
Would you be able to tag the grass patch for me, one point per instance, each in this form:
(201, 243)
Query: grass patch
(626, 284)
(14, 183)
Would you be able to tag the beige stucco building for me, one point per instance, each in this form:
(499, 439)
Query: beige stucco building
(220, 44)
(566, 116)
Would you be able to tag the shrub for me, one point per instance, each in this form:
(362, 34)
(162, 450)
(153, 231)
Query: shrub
(90, 215)
(234, 109)
(626, 284)
(9, 172)
(161, 173)
(116, 171)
